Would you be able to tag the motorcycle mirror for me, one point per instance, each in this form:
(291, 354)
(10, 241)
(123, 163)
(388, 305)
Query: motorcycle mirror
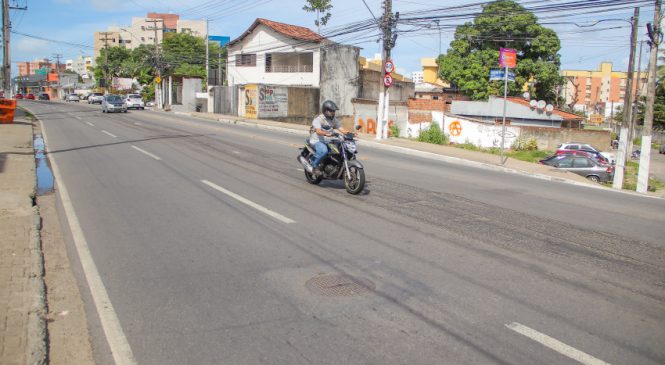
(359, 127)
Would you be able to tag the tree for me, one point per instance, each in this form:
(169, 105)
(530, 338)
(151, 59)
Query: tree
(475, 50)
(109, 63)
(184, 55)
(320, 7)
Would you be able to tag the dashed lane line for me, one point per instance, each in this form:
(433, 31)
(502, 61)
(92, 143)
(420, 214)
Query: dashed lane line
(556, 345)
(109, 133)
(250, 203)
(147, 153)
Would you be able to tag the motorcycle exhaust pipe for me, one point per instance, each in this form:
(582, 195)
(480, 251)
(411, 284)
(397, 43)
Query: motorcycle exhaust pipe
(303, 161)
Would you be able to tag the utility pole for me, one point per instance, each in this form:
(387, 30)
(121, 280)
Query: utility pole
(617, 182)
(387, 25)
(158, 61)
(57, 56)
(638, 93)
(106, 40)
(6, 64)
(656, 36)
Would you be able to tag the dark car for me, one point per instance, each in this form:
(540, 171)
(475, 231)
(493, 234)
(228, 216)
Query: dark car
(587, 153)
(581, 165)
(44, 96)
(30, 96)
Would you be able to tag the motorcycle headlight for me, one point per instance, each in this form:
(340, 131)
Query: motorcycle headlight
(350, 146)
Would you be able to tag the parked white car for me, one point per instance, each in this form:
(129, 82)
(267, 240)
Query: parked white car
(95, 98)
(134, 101)
(72, 97)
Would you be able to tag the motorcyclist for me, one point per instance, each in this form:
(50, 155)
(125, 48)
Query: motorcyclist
(323, 126)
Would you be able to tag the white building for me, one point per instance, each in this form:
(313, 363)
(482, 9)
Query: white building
(82, 65)
(275, 53)
(418, 77)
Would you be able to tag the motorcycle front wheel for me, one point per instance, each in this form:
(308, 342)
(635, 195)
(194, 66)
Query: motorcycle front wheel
(354, 182)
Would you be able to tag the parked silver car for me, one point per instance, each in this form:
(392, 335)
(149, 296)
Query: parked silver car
(581, 165)
(72, 97)
(113, 103)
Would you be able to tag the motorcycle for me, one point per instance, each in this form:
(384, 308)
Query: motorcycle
(635, 155)
(339, 163)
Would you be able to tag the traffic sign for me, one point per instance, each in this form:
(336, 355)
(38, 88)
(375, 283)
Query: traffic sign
(507, 58)
(158, 79)
(388, 80)
(390, 66)
(499, 75)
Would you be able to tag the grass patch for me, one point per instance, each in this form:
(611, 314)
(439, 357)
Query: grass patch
(630, 178)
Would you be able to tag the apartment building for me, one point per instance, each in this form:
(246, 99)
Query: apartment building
(601, 91)
(38, 66)
(149, 30)
(82, 65)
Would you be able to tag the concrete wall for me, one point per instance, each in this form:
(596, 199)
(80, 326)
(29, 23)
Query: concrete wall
(262, 40)
(339, 77)
(371, 84)
(462, 130)
(365, 115)
(549, 139)
(189, 89)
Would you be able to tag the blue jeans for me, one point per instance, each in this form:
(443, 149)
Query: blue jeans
(321, 152)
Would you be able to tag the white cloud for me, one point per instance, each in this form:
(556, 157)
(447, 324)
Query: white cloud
(29, 45)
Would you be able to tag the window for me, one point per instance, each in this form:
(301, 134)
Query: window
(246, 60)
(582, 162)
(268, 62)
(565, 162)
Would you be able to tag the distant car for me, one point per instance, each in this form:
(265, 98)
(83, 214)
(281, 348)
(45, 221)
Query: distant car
(576, 146)
(30, 96)
(662, 149)
(134, 101)
(44, 96)
(588, 153)
(95, 98)
(113, 103)
(581, 165)
(18, 96)
(72, 97)
(150, 103)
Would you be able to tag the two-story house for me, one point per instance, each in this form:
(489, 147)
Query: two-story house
(270, 52)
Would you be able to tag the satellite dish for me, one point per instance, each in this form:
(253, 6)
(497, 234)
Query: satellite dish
(549, 108)
(533, 103)
(541, 104)
(526, 96)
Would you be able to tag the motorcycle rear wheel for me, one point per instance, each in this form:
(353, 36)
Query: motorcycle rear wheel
(312, 179)
(355, 183)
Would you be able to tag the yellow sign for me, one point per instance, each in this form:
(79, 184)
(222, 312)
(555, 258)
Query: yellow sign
(251, 101)
(596, 118)
(455, 128)
(158, 79)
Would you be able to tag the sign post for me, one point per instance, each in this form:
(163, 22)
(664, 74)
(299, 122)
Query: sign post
(507, 59)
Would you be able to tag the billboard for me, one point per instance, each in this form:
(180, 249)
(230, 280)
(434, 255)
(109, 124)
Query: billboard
(507, 58)
(251, 101)
(121, 83)
(273, 101)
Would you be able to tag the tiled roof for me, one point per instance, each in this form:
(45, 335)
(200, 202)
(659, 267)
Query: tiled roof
(292, 31)
(562, 114)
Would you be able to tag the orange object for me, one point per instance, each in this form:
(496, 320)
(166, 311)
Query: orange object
(7, 109)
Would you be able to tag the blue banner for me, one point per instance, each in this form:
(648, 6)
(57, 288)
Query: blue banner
(499, 75)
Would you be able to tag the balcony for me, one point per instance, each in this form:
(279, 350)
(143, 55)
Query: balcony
(289, 62)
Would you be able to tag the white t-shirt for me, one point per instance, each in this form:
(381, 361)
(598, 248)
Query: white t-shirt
(320, 122)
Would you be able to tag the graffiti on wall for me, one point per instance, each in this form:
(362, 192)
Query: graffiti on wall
(251, 101)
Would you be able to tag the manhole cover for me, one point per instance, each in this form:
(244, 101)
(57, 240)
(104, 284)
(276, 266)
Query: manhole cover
(339, 285)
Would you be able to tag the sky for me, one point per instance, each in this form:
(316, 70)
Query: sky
(74, 22)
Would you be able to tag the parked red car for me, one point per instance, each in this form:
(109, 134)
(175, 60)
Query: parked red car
(30, 96)
(586, 153)
(18, 96)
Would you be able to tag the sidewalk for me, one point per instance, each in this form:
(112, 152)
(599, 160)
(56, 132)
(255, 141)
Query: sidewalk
(22, 291)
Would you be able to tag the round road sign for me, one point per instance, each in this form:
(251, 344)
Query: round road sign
(390, 66)
(388, 80)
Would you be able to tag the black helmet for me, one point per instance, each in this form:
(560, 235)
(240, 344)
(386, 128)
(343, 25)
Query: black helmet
(328, 105)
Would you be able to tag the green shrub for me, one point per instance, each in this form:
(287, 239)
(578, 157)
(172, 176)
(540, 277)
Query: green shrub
(394, 130)
(523, 144)
(433, 134)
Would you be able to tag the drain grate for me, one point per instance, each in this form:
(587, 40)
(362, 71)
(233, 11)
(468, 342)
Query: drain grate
(339, 285)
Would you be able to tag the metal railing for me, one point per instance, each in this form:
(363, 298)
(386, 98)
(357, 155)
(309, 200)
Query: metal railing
(290, 68)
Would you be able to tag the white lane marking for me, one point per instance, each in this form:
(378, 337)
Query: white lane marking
(122, 352)
(110, 134)
(79, 118)
(138, 123)
(250, 203)
(147, 153)
(556, 345)
(90, 124)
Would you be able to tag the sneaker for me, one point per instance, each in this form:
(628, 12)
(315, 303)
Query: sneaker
(316, 171)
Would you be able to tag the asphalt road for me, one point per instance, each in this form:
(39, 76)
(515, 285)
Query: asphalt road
(212, 248)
